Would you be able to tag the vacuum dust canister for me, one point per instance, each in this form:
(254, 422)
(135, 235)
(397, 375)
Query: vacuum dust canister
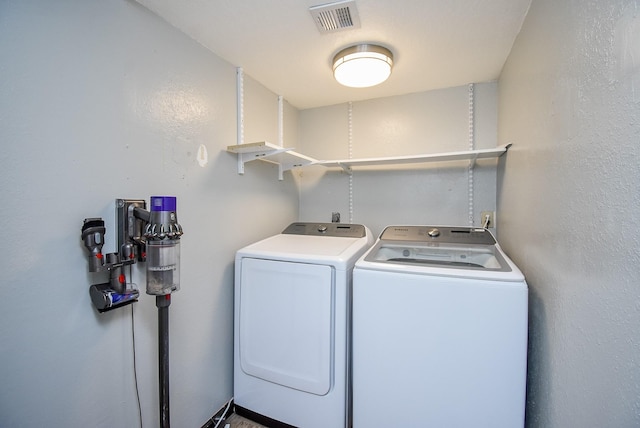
(163, 247)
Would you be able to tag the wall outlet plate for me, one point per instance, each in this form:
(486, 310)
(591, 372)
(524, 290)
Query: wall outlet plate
(492, 218)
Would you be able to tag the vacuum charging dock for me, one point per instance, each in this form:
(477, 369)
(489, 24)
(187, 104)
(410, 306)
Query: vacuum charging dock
(115, 292)
(135, 228)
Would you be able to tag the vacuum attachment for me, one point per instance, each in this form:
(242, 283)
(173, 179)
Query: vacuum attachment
(112, 294)
(105, 298)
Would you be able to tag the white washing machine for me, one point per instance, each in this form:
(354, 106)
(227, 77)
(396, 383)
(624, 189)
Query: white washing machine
(292, 322)
(439, 331)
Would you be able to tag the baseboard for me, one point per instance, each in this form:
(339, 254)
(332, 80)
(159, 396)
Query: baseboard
(261, 419)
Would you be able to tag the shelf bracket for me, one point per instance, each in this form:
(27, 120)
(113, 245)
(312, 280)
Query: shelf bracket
(346, 168)
(472, 161)
(241, 162)
(240, 116)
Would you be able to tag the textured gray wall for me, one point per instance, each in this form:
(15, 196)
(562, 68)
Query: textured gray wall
(569, 207)
(421, 123)
(102, 100)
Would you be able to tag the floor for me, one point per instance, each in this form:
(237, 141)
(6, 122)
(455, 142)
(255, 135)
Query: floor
(236, 421)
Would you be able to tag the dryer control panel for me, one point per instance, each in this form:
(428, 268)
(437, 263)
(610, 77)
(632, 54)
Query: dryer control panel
(326, 229)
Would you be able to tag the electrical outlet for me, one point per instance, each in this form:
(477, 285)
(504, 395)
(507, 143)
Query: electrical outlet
(492, 218)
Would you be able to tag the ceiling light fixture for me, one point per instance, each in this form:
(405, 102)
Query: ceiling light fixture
(363, 65)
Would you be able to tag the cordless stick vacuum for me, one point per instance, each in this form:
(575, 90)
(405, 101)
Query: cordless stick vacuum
(163, 277)
(151, 236)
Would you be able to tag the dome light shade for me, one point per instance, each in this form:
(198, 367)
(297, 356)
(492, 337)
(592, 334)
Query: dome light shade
(363, 65)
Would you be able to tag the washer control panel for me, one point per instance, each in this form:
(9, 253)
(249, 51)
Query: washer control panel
(441, 234)
(326, 229)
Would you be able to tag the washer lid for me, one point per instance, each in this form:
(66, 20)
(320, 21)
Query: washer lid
(457, 256)
(466, 248)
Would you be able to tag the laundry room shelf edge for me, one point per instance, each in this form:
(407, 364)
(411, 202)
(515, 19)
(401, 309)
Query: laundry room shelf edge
(288, 159)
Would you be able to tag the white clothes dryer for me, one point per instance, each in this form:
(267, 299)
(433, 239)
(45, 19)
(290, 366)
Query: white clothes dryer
(292, 325)
(439, 331)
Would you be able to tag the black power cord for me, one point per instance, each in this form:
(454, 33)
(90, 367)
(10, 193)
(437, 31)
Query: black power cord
(135, 367)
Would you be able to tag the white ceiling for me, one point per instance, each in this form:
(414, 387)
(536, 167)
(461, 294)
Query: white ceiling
(436, 43)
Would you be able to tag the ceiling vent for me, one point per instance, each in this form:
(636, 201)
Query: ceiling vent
(330, 17)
